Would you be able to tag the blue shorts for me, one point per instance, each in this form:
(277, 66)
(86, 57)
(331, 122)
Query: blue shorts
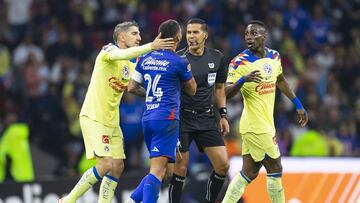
(161, 137)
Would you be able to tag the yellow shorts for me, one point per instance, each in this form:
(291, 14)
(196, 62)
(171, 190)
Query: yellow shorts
(257, 145)
(101, 140)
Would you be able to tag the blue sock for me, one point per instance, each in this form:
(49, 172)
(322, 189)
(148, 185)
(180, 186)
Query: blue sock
(151, 189)
(137, 195)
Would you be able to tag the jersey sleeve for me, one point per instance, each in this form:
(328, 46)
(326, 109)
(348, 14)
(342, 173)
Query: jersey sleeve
(234, 71)
(184, 69)
(222, 73)
(280, 65)
(137, 74)
(113, 52)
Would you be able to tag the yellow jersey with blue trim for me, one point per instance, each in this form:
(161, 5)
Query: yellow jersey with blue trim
(101, 102)
(259, 98)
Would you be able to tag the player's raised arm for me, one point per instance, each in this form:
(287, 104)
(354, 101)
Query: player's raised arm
(159, 43)
(130, 53)
(284, 87)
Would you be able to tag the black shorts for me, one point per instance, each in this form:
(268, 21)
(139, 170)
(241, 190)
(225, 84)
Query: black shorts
(200, 127)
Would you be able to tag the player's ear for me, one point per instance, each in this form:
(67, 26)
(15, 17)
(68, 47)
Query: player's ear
(265, 35)
(121, 37)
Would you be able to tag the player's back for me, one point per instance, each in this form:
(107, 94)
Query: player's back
(162, 73)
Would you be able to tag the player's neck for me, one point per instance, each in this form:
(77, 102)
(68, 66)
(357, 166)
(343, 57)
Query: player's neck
(197, 52)
(122, 46)
(261, 53)
(173, 49)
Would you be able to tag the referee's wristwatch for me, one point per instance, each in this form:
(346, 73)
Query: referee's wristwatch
(223, 112)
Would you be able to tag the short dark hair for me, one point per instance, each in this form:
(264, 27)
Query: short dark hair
(123, 27)
(169, 29)
(257, 22)
(199, 21)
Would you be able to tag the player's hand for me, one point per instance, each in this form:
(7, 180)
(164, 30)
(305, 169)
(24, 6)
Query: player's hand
(166, 43)
(303, 117)
(224, 126)
(116, 84)
(254, 76)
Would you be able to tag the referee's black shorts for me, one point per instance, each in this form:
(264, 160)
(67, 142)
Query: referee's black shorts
(200, 126)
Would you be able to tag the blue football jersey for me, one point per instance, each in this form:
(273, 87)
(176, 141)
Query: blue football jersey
(161, 73)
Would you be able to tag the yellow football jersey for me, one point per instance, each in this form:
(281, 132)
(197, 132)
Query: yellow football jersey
(101, 101)
(259, 99)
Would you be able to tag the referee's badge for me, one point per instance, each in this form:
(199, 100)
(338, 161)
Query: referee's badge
(211, 78)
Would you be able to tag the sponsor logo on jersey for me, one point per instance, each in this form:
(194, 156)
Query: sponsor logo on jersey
(211, 65)
(155, 149)
(149, 61)
(265, 88)
(105, 139)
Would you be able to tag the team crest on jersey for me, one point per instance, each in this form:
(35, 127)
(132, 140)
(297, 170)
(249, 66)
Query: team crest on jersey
(126, 71)
(211, 65)
(267, 69)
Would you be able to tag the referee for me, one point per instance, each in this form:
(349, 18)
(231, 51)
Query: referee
(197, 117)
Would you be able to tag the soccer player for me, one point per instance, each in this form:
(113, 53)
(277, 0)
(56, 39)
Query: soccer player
(256, 72)
(162, 73)
(197, 120)
(99, 116)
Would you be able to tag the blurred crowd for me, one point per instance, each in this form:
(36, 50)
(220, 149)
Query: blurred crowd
(48, 47)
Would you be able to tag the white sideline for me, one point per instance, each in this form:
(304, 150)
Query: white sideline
(305, 165)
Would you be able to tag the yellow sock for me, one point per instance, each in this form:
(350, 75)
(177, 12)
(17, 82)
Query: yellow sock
(89, 178)
(274, 188)
(107, 189)
(236, 188)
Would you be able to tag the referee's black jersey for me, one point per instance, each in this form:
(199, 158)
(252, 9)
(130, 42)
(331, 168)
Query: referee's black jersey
(208, 69)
